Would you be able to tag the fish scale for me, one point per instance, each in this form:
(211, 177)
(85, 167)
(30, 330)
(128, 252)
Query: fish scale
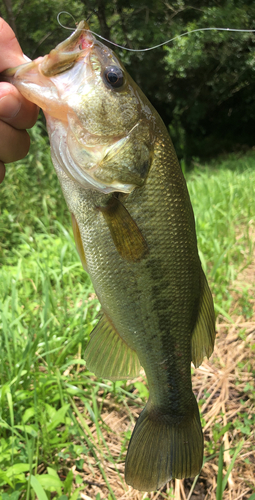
(135, 233)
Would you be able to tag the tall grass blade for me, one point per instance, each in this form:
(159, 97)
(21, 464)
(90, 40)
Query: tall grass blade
(219, 490)
(38, 489)
(231, 465)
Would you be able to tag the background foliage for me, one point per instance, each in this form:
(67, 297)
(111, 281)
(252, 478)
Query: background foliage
(202, 84)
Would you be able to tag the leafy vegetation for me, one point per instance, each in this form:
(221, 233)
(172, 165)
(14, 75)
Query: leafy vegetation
(64, 433)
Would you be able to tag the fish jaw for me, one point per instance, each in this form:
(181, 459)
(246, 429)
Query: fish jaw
(68, 52)
(35, 79)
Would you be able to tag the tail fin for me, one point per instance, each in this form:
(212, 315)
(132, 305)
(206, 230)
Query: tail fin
(163, 447)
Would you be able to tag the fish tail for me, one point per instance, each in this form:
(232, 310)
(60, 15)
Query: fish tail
(164, 447)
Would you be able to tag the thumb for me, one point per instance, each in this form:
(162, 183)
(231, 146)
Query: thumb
(10, 50)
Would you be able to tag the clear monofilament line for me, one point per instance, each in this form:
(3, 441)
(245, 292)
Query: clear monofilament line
(160, 44)
(171, 39)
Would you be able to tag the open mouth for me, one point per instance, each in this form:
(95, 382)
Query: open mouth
(60, 59)
(65, 55)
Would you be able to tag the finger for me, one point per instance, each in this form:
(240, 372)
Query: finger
(10, 50)
(15, 109)
(14, 143)
(2, 171)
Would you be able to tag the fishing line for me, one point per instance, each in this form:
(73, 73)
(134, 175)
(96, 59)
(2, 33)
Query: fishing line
(171, 39)
(69, 14)
(231, 30)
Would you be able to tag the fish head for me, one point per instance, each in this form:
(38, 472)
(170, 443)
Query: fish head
(100, 124)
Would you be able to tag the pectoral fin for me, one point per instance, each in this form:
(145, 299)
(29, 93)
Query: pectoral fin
(108, 356)
(203, 336)
(126, 235)
(78, 242)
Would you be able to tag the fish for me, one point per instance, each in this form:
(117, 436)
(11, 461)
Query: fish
(134, 229)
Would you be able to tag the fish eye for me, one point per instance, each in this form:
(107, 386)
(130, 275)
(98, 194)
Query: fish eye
(114, 76)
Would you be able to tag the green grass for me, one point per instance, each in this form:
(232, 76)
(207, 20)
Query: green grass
(223, 199)
(48, 309)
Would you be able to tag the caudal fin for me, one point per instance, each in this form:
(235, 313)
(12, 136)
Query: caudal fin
(163, 447)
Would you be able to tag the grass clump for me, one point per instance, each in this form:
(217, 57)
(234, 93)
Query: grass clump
(64, 433)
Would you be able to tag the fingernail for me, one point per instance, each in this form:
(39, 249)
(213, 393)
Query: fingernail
(9, 106)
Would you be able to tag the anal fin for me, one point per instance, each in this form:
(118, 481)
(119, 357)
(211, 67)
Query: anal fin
(203, 336)
(107, 354)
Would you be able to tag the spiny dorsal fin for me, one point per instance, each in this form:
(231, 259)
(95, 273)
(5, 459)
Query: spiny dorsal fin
(125, 233)
(203, 336)
(78, 242)
(108, 356)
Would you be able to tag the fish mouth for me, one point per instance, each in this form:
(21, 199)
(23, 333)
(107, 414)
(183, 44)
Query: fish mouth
(36, 79)
(66, 53)
(60, 59)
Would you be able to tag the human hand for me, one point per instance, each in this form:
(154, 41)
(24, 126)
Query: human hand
(16, 113)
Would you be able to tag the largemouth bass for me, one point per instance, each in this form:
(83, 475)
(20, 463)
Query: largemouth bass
(135, 233)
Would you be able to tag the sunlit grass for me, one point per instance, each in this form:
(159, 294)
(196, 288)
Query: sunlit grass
(223, 199)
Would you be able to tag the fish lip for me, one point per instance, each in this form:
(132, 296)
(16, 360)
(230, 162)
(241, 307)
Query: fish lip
(20, 70)
(61, 58)
(60, 54)
(66, 53)
(74, 37)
